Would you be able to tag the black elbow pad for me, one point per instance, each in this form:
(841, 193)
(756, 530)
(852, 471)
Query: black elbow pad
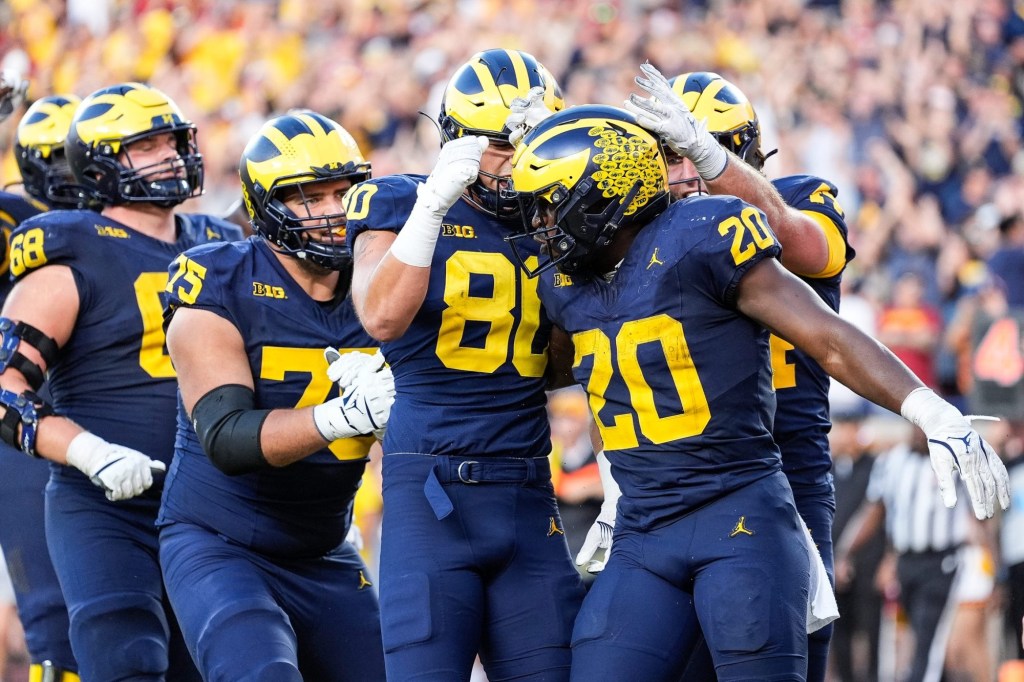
(228, 427)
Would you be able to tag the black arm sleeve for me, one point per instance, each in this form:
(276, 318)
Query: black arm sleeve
(228, 426)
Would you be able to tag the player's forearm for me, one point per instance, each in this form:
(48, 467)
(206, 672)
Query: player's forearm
(865, 366)
(804, 246)
(388, 301)
(288, 436)
(53, 437)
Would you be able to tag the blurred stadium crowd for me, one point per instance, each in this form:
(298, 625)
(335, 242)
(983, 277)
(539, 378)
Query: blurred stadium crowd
(912, 108)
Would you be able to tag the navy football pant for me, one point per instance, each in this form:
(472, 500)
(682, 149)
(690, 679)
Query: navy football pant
(744, 585)
(249, 618)
(23, 538)
(481, 566)
(817, 506)
(105, 555)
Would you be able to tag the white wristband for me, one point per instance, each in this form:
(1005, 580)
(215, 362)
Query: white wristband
(83, 451)
(713, 161)
(924, 408)
(415, 244)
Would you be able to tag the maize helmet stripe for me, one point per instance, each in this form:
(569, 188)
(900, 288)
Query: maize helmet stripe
(294, 146)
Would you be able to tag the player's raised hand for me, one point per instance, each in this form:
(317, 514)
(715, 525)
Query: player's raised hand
(954, 446)
(457, 167)
(122, 472)
(665, 114)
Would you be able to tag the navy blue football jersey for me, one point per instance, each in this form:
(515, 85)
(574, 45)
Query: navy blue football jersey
(113, 376)
(469, 371)
(302, 509)
(802, 416)
(14, 209)
(679, 381)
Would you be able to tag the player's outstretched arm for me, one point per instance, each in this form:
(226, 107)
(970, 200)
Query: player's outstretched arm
(789, 308)
(391, 272)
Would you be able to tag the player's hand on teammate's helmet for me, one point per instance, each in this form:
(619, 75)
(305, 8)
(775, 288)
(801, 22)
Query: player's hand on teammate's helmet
(525, 113)
(600, 534)
(457, 167)
(122, 472)
(363, 409)
(665, 114)
(955, 446)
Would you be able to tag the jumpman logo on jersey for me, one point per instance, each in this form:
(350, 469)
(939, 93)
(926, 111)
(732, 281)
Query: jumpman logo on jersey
(740, 528)
(363, 582)
(553, 528)
(654, 259)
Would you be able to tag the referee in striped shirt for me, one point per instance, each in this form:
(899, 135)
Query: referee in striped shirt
(926, 536)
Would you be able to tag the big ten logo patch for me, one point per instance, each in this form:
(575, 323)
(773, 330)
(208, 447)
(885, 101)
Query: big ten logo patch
(267, 291)
(464, 231)
(111, 231)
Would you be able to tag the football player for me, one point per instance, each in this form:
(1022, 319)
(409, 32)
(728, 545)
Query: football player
(85, 312)
(45, 174)
(473, 556)
(267, 463)
(808, 221)
(668, 306)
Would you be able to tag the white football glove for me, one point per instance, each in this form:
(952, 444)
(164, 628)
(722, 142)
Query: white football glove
(362, 409)
(954, 445)
(600, 534)
(525, 114)
(343, 368)
(457, 167)
(122, 472)
(665, 114)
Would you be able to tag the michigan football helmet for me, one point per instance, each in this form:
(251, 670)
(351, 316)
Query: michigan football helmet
(39, 151)
(582, 175)
(730, 115)
(113, 118)
(293, 151)
(477, 102)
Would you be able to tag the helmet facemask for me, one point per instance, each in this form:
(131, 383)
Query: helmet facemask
(291, 231)
(145, 184)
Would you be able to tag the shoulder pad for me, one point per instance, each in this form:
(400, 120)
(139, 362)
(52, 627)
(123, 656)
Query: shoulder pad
(380, 204)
